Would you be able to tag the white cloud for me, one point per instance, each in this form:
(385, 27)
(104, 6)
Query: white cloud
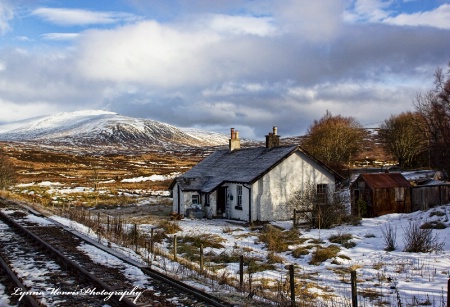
(438, 18)
(59, 36)
(71, 17)
(239, 25)
(147, 53)
(316, 21)
(6, 15)
(368, 10)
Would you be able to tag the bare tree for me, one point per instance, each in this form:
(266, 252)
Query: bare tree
(7, 172)
(320, 210)
(334, 139)
(401, 136)
(434, 110)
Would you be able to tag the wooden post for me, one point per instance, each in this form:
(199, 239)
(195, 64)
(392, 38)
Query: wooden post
(148, 253)
(241, 271)
(151, 241)
(135, 238)
(354, 289)
(201, 258)
(292, 284)
(107, 223)
(295, 218)
(448, 293)
(175, 247)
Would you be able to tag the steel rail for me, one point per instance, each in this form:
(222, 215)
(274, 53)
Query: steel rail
(116, 298)
(199, 294)
(28, 299)
(205, 297)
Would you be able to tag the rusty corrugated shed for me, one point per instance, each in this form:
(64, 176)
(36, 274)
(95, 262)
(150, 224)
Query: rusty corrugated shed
(385, 180)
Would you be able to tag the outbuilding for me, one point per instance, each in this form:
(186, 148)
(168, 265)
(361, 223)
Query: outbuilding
(381, 193)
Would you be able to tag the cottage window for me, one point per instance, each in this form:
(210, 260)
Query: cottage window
(239, 197)
(322, 190)
(195, 199)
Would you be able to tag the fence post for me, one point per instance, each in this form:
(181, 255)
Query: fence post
(135, 238)
(292, 284)
(354, 289)
(151, 244)
(241, 271)
(175, 247)
(201, 258)
(448, 293)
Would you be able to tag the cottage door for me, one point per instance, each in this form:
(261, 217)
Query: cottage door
(221, 200)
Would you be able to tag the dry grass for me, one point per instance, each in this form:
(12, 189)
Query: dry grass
(278, 240)
(322, 254)
(169, 227)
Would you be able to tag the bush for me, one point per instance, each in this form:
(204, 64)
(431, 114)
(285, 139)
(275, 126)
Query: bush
(420, 240)
(390, 237)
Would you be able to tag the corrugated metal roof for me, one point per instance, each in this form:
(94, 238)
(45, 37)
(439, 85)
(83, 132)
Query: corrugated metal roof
(385, 180)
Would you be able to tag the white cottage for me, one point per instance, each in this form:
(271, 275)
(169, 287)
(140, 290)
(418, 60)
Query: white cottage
(250, 184)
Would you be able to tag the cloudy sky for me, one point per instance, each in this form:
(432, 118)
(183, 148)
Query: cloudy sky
(221, 63)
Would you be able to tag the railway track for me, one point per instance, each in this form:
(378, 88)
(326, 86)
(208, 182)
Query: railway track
(58, 268)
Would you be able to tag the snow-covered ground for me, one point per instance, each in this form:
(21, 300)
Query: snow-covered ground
(415, 278)
(411, 276)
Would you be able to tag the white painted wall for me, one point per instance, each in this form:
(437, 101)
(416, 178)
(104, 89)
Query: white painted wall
(272, 192)
(269, 195)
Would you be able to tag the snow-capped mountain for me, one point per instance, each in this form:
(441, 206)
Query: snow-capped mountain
(102, 128)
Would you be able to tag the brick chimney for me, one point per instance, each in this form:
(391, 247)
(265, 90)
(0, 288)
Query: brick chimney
(235, 142)
(273, 139)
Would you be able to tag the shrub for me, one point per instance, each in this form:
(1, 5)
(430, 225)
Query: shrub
(390, 237)
(419, 240)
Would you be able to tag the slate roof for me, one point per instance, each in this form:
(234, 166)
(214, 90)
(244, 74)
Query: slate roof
(241, 166)
(385, 180)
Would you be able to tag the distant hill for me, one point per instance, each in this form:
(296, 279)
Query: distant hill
(102, 130)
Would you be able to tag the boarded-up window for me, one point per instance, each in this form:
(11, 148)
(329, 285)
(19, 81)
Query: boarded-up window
(399, 194)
